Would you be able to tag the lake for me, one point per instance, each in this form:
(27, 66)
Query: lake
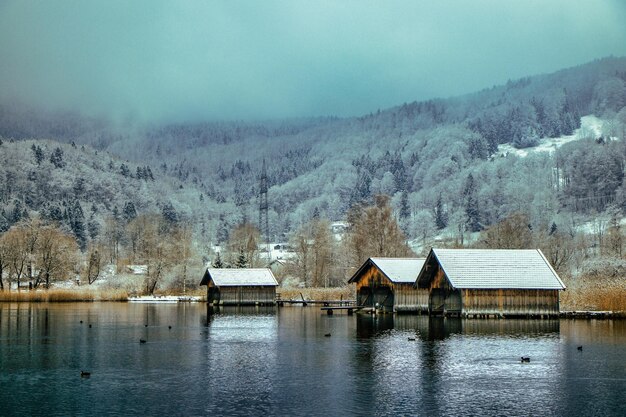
(278, 361)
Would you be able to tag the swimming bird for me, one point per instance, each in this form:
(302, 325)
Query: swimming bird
(145, 325)
(142, 341)
(90, 326)
(81, 322)
(525, 359)
(169, 327)
(85, 374)
(580, 348)
(327, 335)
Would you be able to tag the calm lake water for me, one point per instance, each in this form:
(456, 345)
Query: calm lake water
(279, 362)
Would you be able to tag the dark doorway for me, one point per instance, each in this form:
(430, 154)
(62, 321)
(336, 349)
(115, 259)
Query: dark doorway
(213, 297)
(379, 297)
(436, 301)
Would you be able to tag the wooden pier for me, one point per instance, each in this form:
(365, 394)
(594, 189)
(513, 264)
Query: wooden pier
(326, 303)
(350, 309)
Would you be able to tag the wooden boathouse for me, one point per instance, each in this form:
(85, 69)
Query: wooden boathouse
(245, 286)
(490, 282)
(388, 285)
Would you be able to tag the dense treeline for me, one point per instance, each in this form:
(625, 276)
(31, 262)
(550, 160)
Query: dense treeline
(441, 162)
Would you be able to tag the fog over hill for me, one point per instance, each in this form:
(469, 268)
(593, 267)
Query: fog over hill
(168, 62)
(438, 160)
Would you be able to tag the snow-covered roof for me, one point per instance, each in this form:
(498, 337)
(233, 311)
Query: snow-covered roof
(239, 277)
(494, 269)
(397, 270)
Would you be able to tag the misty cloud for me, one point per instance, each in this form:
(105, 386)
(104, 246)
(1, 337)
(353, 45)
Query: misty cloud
(164, 61)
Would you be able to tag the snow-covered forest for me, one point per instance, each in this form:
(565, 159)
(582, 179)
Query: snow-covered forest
(451, 167)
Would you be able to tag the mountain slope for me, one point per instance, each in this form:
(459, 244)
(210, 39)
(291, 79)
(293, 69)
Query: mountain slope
(438, 159)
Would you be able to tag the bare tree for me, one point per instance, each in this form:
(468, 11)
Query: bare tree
(4, 259)
(56, 255)
(182, 238)
(95, 261)
(113, 237)
(314, 248)
(300, 264)
(514, 232)
(245, 238)
(322, 252)
(375, 232)
(17, 253)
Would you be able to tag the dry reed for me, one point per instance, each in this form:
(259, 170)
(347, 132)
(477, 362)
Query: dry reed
(317, 294)
(63, 295)
(594, 294)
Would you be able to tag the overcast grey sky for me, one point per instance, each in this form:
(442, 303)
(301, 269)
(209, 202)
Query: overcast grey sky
(160, 60)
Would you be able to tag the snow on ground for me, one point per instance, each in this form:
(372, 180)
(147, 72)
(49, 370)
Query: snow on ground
(163, 299)
(590, 126)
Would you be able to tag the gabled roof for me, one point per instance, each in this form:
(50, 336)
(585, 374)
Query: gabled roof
(397, 270)
(236, 277)
(494, 269)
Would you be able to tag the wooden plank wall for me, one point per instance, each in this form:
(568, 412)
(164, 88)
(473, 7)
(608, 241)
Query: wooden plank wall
(247, 295)
(410, 299)
(511, 302)
(406, 297)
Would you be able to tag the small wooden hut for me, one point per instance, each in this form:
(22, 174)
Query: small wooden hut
(388, 284)
(246, 286)
(490, 282)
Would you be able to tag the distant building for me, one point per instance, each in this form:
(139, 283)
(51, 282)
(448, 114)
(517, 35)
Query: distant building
(388, 284)
(137, 269)
(498, 282)
(245, 286)
(339, 230)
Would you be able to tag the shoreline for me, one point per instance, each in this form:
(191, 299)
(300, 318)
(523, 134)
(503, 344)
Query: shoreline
(174, 299)
(311, 295)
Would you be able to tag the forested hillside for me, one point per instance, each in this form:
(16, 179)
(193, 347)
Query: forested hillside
(438, 160)
(82, 188)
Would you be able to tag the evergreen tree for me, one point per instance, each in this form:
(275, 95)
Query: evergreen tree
(169, 214)
(471, 205)
(38, 154)
(241, 262)
(441, 219)
(129, 212)
(77, 224)
(17, 213)
(361, 190)
(222, 230)
(405, 210)
(79, 187)
(553, 229)
(399, 173)
(93, 227)
(148, 173)
(52, 212)
(124, 170)
(4, 222)
(56, 158)
(217, 262)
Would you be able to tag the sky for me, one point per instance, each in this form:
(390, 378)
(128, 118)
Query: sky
(176, 61)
